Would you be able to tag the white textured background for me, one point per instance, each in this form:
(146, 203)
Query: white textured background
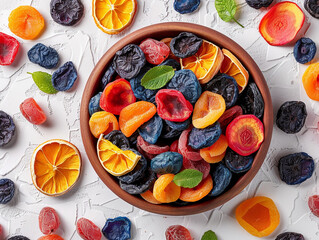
(84, 44)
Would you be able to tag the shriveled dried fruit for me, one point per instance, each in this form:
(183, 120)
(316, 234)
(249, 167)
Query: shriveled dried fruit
(290, 236)
(167, 162)
(94, 104)
(140, 186)
(177, 232)
(186, 150)
(7, 128)
(88, 230)
(312, 7)
(186, 6)
(165, 190)
(155, 51)
(19, 237)
(118, 138)
(66, 12)
(252, 101)
(237, 163)
(152, 129)
(46, 57)
(228, 116)
(118, 228)
(108, 76)
(259, 3)
(9, 47)
(202, 166)
(51, 237)
(305, 50)
(64, 78)
(313, 203)
(7, 190)
(221, 179)
(32, 111)
(49, 220)
(185, 44)
(203, 138)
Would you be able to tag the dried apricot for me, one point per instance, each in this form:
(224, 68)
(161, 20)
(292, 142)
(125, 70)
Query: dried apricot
(165, 190)
(258, 216)
(49, 220)
(197, 193)
(26, 22)
(103, 123)
(149, 197)
(88, 230)
(310, 81)
(216, 152)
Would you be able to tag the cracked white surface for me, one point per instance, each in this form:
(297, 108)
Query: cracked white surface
(85, 44)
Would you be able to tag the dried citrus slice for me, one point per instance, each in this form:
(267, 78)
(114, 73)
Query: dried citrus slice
(55, 167)
(115, 160)
(205, 63)
(233, 67)
(113, 16)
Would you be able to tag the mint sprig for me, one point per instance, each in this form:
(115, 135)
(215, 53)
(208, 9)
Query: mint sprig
(226, 10)
(188, 178)
(157, 77)
(209, 235)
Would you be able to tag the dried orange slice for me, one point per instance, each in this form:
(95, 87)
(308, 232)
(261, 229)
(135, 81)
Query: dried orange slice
(55, 167)
(113, 16)
(115, 160)
(205, 63)
(233, 67)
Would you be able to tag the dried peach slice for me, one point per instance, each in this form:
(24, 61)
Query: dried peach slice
(216, 152)
(310, 81)
(103, 123)
(197, 193)
(165, 190)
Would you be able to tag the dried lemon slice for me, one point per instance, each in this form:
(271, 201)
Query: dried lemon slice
(115, 160)
(55, 167)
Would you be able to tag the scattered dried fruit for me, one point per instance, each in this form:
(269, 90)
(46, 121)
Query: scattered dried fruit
(118, 228)
(32, 111)
(46, 57)
(64, 78)
(185, 44)
(49, 220)
(186, 6)
(290, 236)
(66, 12)
(312, 7)
(305, 50)
(7, 190)
(7, 128)
(177, 232)
(9, 47)
(18, 237)
(313, 203)
(50, 237)
(88, 230)
(310, 81)
(257, 4)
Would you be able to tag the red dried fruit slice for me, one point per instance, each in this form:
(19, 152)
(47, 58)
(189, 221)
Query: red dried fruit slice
(201, 166)
(88, 230)
(151, 148)
(313, 203)
(282, 23)
(49, 220)
(145, 154)
(116, 96)
(245, 134)
(186, 150)
(155, 51)
(174, 146)
(32, 111)
(51, 237)
(9, 47)
(177, 232)
(1, 232)
(228, 116)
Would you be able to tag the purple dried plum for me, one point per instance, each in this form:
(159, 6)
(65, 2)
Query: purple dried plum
(312, 7)
(64, 78)
(118, 138)
(94, 104)
(169, 132)
(206, 137)
(291, 116)
(129, 61)
(305, 50)
(7, 128)
(186, 6)
(185, 45)
(7, 190)
(19, 237)
(187, 83)
(66, 12)
(237, 163)
(167, 162)
(259, 3)
(173, 63)
(251, 101)
(118, 228)
(290, 236)
(226, 86)
(46, 57)
(221, 178)
(179, 126)
(140, 186)
(151, 130)
(133, 139)
(296, 168)
(108, 76)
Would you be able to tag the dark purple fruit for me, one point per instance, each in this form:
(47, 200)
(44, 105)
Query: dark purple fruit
(66, 12)
(186, 6)
(206, 137)
(251, 101)
(108, 76)
(259, 3)
(140, 186)
(46, 57)
(118, 228)
(7, 128)
(290, 236)
(118, 138)
(7, 190)
(185, 45)
(312, 7)
(305, 50)
(221, 179)
(237, 163)
(19, 237)
(64, 78)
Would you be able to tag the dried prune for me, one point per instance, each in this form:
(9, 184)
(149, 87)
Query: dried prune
(118, 228)
(151, 130)
(7, 190)
(187, 83)
(251, 101)
(203, 138)
(137, 173)
(312, 7)
(46, 57)
(237, 163)
(7, 128)
(167, 162)
(296, 168)
(221, 178)
(129, 61)
(19, 237)
(290, 236)
(173, 63)
(305, 50)
(177, 232)
(64, 78)
(259, 3)
(179, 126)
(94, 104)
(108, 76)
(140, 186)
(169, 132)
(9, 47)
(291, 116)
(226, 86)
(201, 166)
(185, 44)
(186, 6)
(155, 51)
(133, 139)
(66, 12)
(118, 138)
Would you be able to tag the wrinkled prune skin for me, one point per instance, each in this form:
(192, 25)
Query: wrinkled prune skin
(19, 237)
(305, 50)
(46, 57)
(133, 139)
(312, 7)
(221, 179)
(290, 236)
(66, 12)
(185, 45)
(140, 186)
(291, 116)
(187, 83)
(167, 162)
(129, 61)
(118, 228)
(179, 126)
(206, 137)
(180, 203)
(257, 4)
(108, 76)
(251, 101)
(64, 78)
(226, 86)
(186, 6)
(137, 173)
(237, 163)
(7, 128)
(94, 104)
(173, 63)
(169, 132)
(7, 190)
(151, 130)
(296, 168)
(118, 138)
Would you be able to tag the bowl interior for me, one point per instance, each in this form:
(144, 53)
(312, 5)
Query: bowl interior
(160, 31)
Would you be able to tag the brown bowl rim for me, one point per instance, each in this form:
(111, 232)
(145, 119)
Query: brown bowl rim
(160, 31)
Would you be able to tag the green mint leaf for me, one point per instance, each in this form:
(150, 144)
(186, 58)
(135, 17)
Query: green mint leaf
(188, 178)
(226, 10)
(209, 235)
(157, 77)
(43, 81)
